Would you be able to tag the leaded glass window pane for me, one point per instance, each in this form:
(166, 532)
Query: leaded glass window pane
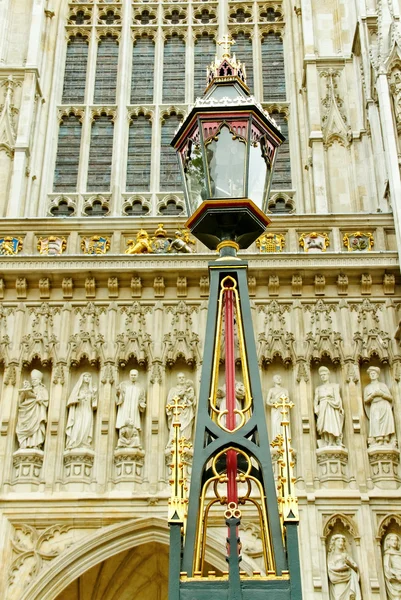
(243, 51)
(273, 68)
(170, 178)
(100, 154)
(205, 50)
(106, 70)
(282, 170)
(143, 62)
(75, 70)
(67, 161)
(139, 154)
(174, 70)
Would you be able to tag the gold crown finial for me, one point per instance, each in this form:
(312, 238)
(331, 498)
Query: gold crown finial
(226, 44)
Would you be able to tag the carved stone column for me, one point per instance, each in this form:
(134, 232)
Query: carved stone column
(28, 464)
(384, 462)
(128, 467)
(332, 463)
(78, 464)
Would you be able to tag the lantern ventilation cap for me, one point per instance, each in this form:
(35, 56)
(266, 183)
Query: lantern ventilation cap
(227, 68)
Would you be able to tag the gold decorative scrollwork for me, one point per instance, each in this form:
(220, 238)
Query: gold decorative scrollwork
(228, 283)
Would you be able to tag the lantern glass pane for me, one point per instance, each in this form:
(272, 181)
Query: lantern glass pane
(195, 177)
(258, 170)
(226, 162)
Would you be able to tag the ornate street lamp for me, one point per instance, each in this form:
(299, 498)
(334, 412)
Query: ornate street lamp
(227, 147)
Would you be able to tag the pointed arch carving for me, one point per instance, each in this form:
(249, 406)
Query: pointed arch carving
(105, 32)
(385, 524)
(241, 28)
(204, 30)
(103, 111)
(144, 32)
(77, 31)
(272, 28)
(179, 111)
(346, 523)
(140, 111)
(71, 111)
(170, 31)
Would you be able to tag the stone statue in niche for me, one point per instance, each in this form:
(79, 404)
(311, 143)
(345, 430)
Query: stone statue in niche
(392, 566)
(129, 435)
(343, 571)
(329, 410)
(378, 399)
(273, 397)
(185, 391)
(221, 401)
(32, 412)
(131, 401)
(81, 404)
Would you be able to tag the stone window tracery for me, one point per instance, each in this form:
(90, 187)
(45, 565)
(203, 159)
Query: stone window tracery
(68, 154)
(139, 154)
(143, 60)
(174, 69)
(100, 154)
(204, 50)
(169, 171)
(75, 70)
(273, 72)
(244, 52)
(100, 47)
(282, 169)
(106, 70)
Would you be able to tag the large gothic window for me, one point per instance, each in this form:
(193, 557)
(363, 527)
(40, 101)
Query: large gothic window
(106, 70)
(100, 154)
(205, 50)
(243, 51)
(67, 161)
(139, 154)
(169, 171)
(282, 170)
(174, 69)
(75, 70)
(273, 68)
(143, 62)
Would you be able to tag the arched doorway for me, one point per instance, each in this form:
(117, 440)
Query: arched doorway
(140, 572)
(129, 552)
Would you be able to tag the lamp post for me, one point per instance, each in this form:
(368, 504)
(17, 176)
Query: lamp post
(227, 147)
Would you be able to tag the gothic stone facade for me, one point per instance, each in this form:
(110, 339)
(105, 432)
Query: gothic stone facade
(90, 95)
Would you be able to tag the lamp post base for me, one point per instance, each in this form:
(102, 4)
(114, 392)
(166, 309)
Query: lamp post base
(237, 220)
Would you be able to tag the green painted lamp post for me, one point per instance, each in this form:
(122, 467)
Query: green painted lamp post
(226, 147)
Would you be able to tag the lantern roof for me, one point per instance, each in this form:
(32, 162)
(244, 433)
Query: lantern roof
(226, 70)
(227, 90)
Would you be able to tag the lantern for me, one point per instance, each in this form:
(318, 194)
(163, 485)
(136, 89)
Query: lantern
(226, 148)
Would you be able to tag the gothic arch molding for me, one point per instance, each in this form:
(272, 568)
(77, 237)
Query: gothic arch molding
(104, 544)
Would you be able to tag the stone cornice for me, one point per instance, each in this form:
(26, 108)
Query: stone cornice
(110, 224)
(171, 263)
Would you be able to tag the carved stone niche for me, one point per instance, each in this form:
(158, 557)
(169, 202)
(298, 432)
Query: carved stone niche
(383, 452)
(389, 541)
(131, 400)
(331, 453)
(29, 456)
(79, 427)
